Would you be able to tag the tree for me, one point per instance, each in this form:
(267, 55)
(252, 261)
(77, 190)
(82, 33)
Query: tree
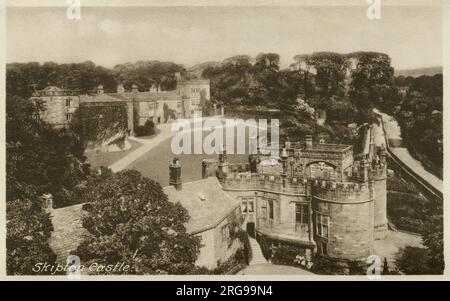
(230, 79)
(372, 79)
(131, 220)
(433, 238)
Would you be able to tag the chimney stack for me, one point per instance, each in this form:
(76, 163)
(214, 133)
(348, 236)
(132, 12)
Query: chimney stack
(175, 174)
(309, 142)
(47, 202)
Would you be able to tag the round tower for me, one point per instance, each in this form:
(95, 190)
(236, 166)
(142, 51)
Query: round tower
(343, 223)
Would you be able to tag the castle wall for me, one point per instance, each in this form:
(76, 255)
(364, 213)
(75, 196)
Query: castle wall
(55, 109)
(350, 212)
(380, 214)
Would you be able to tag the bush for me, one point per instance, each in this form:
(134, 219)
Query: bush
(233, 264)
(413, 261)
(145, 130)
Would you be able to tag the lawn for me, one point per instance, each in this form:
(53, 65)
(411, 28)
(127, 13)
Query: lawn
(155, 163)
(105, 159)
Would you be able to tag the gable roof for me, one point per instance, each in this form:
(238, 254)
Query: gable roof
(68, 231)
(207, 203)
(204, 199)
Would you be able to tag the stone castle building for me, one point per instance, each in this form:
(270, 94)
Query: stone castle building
(155, 105)
(319, 197)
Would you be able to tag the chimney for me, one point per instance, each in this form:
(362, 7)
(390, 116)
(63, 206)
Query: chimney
(120, 89)
(309, 142)
(134, 88)
(47, 202)
(175, 174)
(100, 89)
(365, 169)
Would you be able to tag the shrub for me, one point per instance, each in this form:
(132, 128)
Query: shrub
(145, 130)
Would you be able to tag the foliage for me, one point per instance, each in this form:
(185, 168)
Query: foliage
(24, 78)
(372, 79)
(50, 160)
(433, 237)
(413, 261)
(130, 220)
(168, 112)
(38, 160)
(234, 263)
(147, 129)
(144, 74)
(99, 123)
(410, 211)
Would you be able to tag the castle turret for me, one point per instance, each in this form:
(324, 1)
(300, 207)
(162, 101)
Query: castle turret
(175, 174)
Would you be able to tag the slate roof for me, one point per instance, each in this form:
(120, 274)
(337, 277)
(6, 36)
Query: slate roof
(204, 199)
(68, 232)
(128, 96)
(206, 202)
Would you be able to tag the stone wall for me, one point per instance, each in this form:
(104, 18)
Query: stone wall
(351, 222)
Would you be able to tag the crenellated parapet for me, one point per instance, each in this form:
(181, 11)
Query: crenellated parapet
(264, 182)
(378, 172)
(342, 192)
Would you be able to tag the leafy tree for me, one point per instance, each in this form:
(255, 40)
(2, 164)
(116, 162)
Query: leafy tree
(412, 261)
(433, 238)
(130, 220)
(372, 79)
(230, 79)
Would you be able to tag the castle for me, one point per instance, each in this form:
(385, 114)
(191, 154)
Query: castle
(319, 197)
(155, 105)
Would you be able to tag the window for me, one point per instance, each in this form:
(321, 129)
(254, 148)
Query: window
(301, 214)
(324, 248)
(68, 102)
(244, 206)
(226, 235)
(247, 205)
(270, 203)
(264, 210)
(322, 225)
(68, 116)
(250, 206)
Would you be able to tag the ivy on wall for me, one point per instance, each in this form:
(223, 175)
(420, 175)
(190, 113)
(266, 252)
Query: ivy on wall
(99, 122)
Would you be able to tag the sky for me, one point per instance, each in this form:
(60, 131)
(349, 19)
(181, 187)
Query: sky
(411, 36)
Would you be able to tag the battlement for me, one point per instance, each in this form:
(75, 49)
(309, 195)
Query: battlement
(342, 192)
(274, 183)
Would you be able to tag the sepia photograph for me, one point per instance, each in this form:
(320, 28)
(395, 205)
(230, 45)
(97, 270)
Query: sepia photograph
(155, 138)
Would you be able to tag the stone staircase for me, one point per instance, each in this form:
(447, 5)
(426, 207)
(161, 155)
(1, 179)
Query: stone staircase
(257, 255)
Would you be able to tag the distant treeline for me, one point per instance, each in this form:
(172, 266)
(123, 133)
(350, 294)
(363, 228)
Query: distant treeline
(23, 78)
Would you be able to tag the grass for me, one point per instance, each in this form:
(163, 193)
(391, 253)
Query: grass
(99, 158)
(155, 163)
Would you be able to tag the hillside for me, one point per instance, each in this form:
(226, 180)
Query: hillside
(429, 71)
(197, 70)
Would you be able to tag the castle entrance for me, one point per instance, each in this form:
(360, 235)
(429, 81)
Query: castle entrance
(251, 229)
